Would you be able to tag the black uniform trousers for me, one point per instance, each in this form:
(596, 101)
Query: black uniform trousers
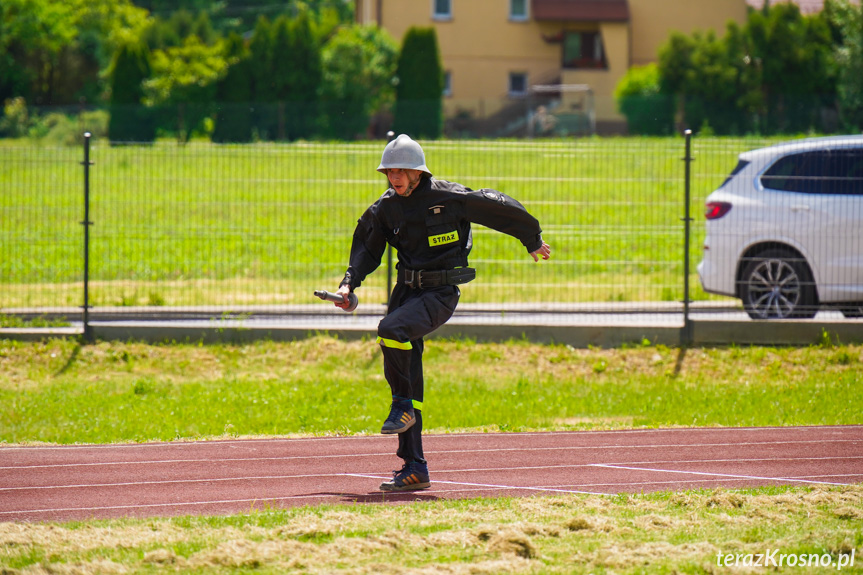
(412, 314)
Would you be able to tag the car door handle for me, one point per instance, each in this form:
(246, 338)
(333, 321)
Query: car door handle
(800, 208)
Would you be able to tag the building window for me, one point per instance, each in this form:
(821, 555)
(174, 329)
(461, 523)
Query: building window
(517, 84)
(583, 50)
(447, 83)
(442, 9)
(518, 10)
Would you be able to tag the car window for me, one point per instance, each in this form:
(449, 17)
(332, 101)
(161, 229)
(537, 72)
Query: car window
(737, 169)
(837, 171)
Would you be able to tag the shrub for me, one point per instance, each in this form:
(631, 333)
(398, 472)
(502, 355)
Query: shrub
(648, 111)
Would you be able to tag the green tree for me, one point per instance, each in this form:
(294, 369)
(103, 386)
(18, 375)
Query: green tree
(698, 71)
(14, 77)
(774, 74)
(847, 18)
(794, 55)
(130, 121)
(240, 15)
(261, 58)
(297, 73)
(234, 95)
(307, 76)
(359, 63)
(638, 96)
(419, 92)
(282, 72)
(184, 79)
(59, 49)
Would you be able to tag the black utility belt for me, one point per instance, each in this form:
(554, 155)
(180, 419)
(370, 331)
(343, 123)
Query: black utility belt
(421, 279)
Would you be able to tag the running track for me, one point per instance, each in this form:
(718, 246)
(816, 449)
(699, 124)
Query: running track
(225, 477)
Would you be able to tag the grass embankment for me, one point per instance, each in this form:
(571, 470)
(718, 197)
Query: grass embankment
(56, 391)
(60, 392)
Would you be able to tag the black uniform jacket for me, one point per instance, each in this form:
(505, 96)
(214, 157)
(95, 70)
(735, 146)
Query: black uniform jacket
(430, 228)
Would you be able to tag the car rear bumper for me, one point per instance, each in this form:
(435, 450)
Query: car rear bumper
(714, 278)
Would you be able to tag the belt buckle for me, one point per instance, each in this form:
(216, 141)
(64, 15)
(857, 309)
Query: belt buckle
(413, 278)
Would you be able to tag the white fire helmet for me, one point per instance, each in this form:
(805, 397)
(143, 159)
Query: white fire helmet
(403, 153)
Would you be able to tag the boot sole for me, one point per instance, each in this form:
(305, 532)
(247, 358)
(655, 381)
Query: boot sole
(407, 426)
(390, 487)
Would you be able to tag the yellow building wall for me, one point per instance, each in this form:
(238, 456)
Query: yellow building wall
(480, 46)
(652, 21)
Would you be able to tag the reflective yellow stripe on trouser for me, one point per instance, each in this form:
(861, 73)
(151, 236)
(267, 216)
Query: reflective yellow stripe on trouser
(393, 344)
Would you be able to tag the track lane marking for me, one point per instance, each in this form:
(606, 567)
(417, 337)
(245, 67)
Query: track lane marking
(620, 465)
(161, 482)
(489, 486)
(744, 477)
(435, 452)
(431, 436)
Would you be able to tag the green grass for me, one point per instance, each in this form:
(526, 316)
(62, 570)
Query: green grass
(625, 534)
(59, 392)
(266, 224)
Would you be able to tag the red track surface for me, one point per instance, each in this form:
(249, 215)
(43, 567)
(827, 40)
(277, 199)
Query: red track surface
(224, 477)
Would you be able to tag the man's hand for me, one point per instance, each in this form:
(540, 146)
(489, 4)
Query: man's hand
(544, 252)
(343, 291)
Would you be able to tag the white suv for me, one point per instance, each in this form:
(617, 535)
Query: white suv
(785, 230)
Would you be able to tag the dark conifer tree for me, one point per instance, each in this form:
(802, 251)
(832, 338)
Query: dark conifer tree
(419, 93)
(234, 96)
(130, 121)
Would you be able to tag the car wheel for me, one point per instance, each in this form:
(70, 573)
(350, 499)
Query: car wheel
(776, 284)
(852, 310)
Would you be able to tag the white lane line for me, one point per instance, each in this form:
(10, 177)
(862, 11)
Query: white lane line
(432, 452)
(620, 465)
(671, 461)
(431, 437)
(201, 460)
(689, 481)
(265, 500)
(477, 487)
(259, 478)
(161, 482)
(490, 486)
(437, 472)
(747, 477)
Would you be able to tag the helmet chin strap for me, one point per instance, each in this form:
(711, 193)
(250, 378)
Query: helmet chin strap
(412, 185)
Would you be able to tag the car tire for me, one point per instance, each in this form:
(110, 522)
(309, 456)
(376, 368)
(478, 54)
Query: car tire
(854, 310)
(777, 284)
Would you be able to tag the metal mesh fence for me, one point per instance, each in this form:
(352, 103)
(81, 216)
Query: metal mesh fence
(41, 207)
(256, 228)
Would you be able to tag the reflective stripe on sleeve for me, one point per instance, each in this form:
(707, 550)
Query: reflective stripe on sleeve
(393, 344)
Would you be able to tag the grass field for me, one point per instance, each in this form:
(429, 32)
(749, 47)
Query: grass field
(58, 391)
(266, 224)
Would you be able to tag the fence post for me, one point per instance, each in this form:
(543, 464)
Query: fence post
(88, 332)
(686, 335)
